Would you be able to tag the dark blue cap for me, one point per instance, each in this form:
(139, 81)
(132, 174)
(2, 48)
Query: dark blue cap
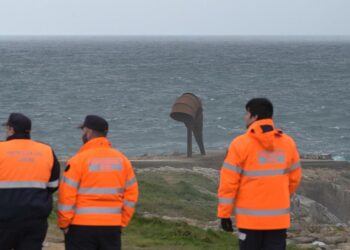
(19, 122)
(96, 123)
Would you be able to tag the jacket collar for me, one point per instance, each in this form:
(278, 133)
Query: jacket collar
(257, 126)
(100, 142)
(18, 136)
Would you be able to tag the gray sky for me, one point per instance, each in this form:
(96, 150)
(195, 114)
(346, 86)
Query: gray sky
(174, 17)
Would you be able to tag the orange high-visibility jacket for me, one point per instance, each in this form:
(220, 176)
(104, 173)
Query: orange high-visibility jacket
(260, 172)
(29, 174)
(98, 188)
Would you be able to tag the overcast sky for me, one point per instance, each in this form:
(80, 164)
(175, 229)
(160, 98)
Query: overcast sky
(174, 17)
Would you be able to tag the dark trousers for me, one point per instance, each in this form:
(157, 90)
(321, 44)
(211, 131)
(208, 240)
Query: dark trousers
(262, 239)
(93, 238)
(23, 236)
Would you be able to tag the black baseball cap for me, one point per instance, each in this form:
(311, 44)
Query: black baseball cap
(96, 123)
(19, 122)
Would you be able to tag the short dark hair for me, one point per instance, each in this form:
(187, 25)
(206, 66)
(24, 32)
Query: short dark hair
(260, 107)
(99, 133)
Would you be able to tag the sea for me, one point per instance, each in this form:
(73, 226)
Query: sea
(134, 81)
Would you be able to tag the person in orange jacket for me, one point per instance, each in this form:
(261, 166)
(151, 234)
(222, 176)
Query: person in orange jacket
(98, 192)
(29, 175)
(260, 173)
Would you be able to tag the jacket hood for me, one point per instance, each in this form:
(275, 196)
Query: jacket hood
(264, 132)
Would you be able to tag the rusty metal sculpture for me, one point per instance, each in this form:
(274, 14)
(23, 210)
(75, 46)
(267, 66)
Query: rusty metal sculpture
(188, 109)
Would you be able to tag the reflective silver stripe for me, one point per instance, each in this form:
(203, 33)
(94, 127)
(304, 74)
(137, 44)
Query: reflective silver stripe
(104, 167)
(226, 201)
(130, 182)
(23, 184)
(62, 207)
(271, 172)
(100, 190)
(129, 204)
(70, 182)
(262, 212)
(236, 169)
(295, 166)
(98, 210)
(275, 159)
(53, 184)
(271, 157)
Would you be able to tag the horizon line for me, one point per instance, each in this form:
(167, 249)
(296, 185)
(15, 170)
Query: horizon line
(179, 35)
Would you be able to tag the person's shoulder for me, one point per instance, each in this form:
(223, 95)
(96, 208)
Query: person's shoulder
(239, 142)
(120, 154)
(285, 137)
(240, 139)
(42, 144)
(3, 144)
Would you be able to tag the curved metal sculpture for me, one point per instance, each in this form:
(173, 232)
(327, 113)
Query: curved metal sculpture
(188, 109)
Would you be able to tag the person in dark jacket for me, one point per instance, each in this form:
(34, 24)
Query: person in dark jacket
(29, 175)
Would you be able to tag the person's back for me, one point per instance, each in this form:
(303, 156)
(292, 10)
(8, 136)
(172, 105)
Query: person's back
(25, 169)
(259, 173)
(265, 158)
(29, 174)
(97, 194)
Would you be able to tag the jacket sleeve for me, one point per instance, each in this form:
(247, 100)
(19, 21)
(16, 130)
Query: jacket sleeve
(130, 195)
(55, 175)
(230, 175)
(68, 190)
(295, 170)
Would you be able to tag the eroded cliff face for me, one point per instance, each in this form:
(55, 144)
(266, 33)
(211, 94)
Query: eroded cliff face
(330, 188)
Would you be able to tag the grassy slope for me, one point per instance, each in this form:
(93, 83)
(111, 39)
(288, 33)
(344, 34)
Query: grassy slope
(177, 195)
(174, 194)
(146, 233)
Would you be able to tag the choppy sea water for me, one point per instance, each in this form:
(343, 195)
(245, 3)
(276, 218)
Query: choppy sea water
(133, 82)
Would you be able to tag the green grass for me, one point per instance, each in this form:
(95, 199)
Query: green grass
(177, 195)
(158, 234)
(154, 233)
